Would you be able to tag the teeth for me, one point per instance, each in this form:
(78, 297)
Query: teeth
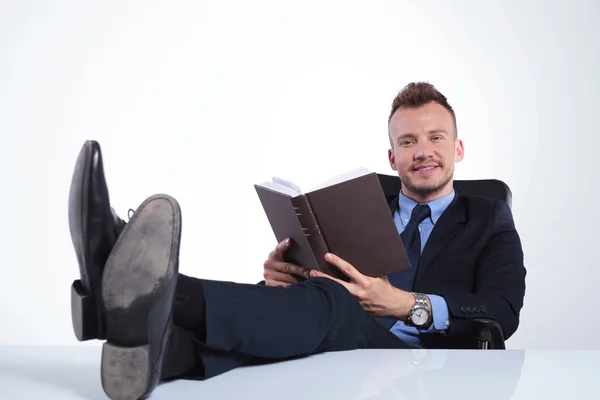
(426, 168)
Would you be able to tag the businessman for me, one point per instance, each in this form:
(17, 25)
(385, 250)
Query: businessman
(158, 324)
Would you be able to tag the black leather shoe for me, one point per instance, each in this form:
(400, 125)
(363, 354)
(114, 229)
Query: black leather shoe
(138, 291)
(94, 230)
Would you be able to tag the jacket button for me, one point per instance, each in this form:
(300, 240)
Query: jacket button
(476, 309)
(483, 309)
(463, 308)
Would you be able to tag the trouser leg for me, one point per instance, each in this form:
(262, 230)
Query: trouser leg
(240, 324)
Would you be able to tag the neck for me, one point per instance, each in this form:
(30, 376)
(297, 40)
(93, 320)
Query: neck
(427, 197)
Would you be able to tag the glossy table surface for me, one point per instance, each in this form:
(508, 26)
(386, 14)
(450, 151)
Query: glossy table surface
(73, 373)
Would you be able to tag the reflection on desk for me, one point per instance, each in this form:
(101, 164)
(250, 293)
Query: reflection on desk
(73, 373)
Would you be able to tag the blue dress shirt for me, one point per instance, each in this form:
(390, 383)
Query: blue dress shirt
(410, 335)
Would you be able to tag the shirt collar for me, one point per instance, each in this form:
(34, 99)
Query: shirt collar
(437, 206)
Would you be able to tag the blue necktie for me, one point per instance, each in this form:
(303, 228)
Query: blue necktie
(411, 239)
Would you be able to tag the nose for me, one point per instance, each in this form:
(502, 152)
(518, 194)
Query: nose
(423, 150)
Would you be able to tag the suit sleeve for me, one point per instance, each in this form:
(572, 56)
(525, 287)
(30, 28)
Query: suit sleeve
(500, 280)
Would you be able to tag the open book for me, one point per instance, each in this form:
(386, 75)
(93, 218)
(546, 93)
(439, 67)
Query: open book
(346, 215)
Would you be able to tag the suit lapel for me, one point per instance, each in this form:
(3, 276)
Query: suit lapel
(450, 223)
(393, 203)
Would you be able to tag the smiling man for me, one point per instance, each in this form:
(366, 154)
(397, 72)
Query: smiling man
(424, 142)
(158, 324)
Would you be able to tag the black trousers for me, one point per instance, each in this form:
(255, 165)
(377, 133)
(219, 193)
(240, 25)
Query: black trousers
(248, 324)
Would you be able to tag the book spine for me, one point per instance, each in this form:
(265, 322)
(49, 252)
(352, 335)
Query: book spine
(312, 231)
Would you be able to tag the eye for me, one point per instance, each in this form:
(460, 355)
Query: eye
(437, 138)
(406, 142)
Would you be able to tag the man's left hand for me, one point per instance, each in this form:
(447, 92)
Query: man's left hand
(376, 295)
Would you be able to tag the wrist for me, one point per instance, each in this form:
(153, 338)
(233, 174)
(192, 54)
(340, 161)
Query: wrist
(402, 303)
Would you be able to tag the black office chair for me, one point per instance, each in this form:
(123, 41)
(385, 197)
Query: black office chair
(487, 333)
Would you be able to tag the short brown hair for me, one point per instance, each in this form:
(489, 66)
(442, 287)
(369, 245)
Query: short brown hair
(417, 94)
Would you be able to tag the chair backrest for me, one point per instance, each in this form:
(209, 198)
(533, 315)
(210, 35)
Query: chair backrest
(493, 188)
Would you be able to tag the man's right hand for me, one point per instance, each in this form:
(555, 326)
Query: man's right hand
(277, 272)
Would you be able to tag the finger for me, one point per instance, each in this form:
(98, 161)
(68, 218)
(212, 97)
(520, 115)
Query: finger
(346, 268)
(281, 277)
(289, 268)
(279, 250)
(271, 282)
(319, 274)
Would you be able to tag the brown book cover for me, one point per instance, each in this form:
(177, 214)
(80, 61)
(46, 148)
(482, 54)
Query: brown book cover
(348, 216)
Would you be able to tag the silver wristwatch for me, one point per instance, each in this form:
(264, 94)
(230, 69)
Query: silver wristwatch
(419, 313)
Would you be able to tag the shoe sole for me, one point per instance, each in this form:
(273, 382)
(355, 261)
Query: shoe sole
(138, 287)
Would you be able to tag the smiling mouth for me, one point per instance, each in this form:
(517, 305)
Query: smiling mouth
(426, 168)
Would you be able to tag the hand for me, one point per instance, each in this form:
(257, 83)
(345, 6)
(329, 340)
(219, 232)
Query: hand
(376, 295)
(277, 272)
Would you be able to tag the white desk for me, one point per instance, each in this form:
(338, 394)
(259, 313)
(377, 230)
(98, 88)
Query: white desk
(73, 373)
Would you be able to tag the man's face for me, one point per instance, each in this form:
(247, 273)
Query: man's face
(424, 150)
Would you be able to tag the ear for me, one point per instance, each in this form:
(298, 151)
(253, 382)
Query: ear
(392, 159)
(459, 150)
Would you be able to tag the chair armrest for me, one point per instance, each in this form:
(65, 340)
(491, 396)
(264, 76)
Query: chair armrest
(489, 334)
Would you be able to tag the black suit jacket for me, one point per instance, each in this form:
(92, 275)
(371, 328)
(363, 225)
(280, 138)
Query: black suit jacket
(474, 259)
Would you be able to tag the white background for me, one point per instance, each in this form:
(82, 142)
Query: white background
(203, 99)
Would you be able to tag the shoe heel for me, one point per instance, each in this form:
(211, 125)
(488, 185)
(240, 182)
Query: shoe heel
(126, 371)
(84, 314)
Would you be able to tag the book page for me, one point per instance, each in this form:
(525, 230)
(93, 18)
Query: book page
(346, 176)
(278, 187)
(288, 187)
(291, 185)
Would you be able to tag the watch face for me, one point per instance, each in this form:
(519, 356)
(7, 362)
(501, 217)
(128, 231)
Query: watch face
(420, 316)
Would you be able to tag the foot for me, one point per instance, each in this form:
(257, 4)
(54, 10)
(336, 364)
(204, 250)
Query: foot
(94, 230)
(138, 290)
